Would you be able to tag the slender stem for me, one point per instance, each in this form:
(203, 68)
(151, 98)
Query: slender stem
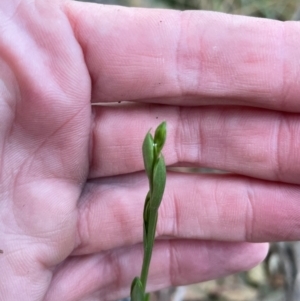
(149, 248)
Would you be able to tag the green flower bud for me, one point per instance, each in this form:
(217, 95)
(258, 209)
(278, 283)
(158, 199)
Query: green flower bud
(148, 154)
(159, 182)
(160, 136)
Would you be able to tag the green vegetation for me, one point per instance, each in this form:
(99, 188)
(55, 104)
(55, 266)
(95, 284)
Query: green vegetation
(272, 9)
(156, 172)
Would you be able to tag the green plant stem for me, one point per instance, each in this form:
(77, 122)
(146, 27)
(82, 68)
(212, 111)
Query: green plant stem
(149, 248)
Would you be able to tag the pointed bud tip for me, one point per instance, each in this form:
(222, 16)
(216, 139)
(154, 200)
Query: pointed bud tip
(160, 136)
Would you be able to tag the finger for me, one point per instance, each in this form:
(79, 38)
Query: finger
(188, 58)
(252, 142)
(206, 207)
(108, 275)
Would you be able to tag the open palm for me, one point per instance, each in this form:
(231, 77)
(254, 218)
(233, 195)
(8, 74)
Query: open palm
(72, 187)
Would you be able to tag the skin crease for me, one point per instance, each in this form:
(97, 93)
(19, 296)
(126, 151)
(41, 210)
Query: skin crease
(72, 184)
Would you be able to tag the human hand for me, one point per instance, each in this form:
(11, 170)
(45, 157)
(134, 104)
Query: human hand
(72, 186)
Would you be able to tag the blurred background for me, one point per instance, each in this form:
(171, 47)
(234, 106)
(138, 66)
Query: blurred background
(278, 277)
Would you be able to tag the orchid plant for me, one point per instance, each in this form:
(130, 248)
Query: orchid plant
(156, 172)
